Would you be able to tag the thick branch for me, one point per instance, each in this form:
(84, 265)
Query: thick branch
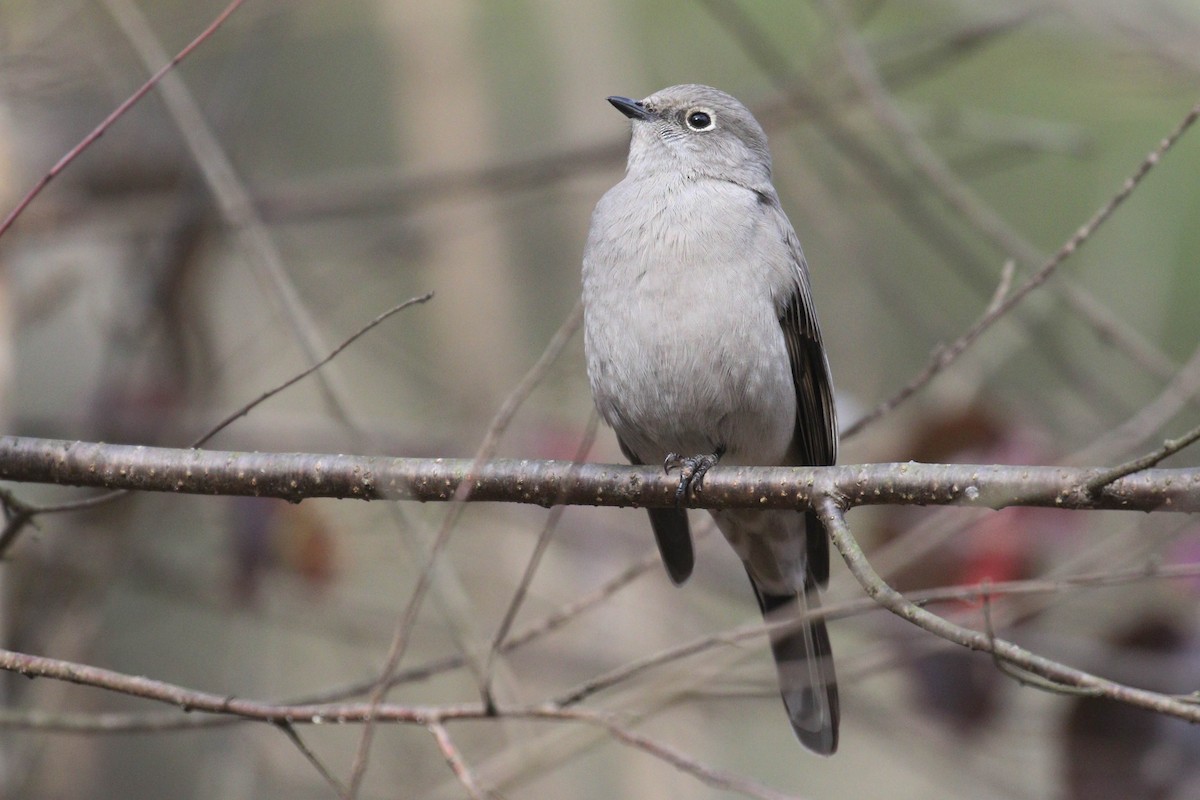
(297, 476)
(192, 700)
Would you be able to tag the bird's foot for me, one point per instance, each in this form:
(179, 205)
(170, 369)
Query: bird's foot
(691, 471)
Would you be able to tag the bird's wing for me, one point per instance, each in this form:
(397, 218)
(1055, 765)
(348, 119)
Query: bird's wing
(814, 440)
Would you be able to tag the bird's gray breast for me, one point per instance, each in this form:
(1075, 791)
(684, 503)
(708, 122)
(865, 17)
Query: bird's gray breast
(684, 347)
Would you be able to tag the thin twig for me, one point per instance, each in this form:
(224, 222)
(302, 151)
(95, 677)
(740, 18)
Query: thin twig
(1182, 389)
(625, 672)
(157, 722)
(945, 356)
(17, 514)
(909, 55)
(24, 512)
(712, 777)
(833, 517)
(1169, 448)
(74, 505)
(1004, 286)
(454, 758)
(289, 730)
(526, 385)
(1022, 677)
(584, 602)
(399, 644)
(370, 192)
(148, 688)
(235, 204)
(851, 608)
(246, 409)
(535, 560)
(125, 723)
(934, 170)
(499, 425)
(116, 114)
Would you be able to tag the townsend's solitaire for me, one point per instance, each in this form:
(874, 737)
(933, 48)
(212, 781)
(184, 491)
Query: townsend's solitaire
(702, 344)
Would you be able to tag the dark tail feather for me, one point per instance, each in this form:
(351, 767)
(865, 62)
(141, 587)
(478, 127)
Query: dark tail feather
(804, 661)
(674, 542)
(818, 549)
(671, 531)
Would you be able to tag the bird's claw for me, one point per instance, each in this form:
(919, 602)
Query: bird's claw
(692, 470)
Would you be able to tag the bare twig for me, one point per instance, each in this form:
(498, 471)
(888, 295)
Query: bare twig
(235, 204)
(529, 382)
(1023, 677)
(708, 775)
(143, 723)
(289, 730)
(399, 644)
(390, 194)
(945, 356)
(1004, 286)
(460, 494)
(947, 41)
(17, 514)
(584, 602)
(20, 513)
(1182, 389)
(930, 167)
(1169, 448)
(176, 721)
(146, 688)
(941, 358)
(116, 114)
(246, 409)
(454, 758)
(535, 560)
(834, 520)
(851, 608)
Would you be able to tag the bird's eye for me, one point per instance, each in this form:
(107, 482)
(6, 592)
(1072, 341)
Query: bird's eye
(700, 119)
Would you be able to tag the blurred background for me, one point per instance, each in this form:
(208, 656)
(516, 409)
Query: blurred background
(316, 163)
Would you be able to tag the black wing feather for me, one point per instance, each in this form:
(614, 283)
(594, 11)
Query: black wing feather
(814, 443)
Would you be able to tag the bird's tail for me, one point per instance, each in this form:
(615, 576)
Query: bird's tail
(804, 661)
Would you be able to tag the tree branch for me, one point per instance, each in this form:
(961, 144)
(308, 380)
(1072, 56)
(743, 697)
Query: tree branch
(116, 114)
(1058, 675)
(300, 476)
(342, 713)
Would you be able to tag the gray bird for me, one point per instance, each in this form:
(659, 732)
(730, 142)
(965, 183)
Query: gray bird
(702, 345)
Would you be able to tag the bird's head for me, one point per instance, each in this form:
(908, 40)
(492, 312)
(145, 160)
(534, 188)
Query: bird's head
(696, 131)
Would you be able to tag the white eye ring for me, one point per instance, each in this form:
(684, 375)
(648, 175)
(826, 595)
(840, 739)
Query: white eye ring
(700, 119)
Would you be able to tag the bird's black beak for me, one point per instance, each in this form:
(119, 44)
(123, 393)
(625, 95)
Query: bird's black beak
(630, 108)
